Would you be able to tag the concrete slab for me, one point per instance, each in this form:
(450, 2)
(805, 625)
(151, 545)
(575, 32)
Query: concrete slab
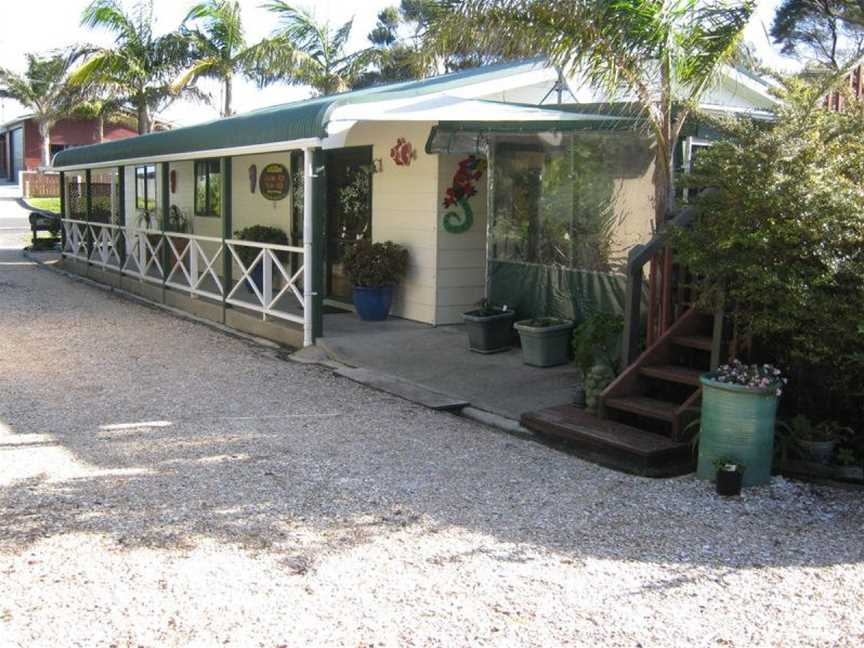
(438, 358)
(403, 388)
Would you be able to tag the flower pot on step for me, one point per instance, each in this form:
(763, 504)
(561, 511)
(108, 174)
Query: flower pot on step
(546, 341)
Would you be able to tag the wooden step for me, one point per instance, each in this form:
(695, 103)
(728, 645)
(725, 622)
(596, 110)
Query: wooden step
(693, 342)
(612, 444)
(644, 406)
(673, 373)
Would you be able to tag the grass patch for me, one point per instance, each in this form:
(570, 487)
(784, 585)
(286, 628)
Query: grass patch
(48, 204)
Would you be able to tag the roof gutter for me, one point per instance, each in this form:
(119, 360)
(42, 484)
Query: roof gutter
(270, 147)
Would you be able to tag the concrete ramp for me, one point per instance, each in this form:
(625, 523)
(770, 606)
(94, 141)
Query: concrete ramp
(403, 389)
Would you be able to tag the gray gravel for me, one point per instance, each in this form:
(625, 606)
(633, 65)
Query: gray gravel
(268, 503)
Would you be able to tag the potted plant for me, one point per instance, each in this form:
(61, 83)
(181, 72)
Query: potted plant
(490, 327)
(178, 221)
(596, 344)
(545, 341)
(374, 269)
(814, 442)
(729, 477)
(248, 254)
(739, 409)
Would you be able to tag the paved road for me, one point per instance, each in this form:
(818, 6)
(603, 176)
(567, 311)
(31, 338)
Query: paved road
(14, 225)
(163, 484)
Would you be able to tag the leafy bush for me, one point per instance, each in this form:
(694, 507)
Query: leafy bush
(781, 238)
(260, 234)
(598, 339)
(371, 265)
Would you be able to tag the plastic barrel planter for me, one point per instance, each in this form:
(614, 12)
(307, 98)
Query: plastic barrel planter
(545, 342)
(737, 423)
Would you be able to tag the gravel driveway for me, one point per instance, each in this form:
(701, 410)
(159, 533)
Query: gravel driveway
(164, 484)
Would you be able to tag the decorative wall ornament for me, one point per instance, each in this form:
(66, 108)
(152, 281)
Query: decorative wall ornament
(403, 152)
(173, 180)
(253, 177)
(470, 171)
(275, 182)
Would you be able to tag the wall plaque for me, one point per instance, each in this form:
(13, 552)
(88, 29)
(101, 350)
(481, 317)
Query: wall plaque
(275, 182)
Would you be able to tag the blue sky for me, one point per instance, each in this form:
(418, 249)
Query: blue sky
(54, 23)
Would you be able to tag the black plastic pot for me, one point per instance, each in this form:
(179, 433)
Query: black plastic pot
(489, 333)
(729, 482)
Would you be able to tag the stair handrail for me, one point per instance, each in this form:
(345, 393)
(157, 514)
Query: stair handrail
(637, 259)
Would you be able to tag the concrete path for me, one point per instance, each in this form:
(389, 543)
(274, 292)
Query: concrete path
(164, 484)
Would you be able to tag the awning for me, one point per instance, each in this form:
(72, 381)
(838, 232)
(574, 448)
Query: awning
(300, 121)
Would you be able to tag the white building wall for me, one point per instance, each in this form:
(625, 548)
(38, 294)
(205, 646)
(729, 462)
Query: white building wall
(461, 257)
(404, 210)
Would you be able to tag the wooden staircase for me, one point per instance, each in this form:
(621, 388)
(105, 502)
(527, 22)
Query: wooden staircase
(641, 424)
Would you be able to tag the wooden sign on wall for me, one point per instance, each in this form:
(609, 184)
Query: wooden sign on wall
(275, 182)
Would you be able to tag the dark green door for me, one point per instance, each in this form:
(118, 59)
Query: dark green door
(349, 211)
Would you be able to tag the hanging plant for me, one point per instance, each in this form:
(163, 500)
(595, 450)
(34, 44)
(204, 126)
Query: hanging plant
(470, 171)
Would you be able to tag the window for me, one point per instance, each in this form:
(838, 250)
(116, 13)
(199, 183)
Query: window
(145, 187)
(208, 188)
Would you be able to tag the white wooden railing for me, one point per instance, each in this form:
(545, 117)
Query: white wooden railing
(194, 264)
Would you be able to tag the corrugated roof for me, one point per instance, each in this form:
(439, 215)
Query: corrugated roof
(282, 123)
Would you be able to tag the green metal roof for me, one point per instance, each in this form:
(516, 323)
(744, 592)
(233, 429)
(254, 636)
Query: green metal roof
(282, 123)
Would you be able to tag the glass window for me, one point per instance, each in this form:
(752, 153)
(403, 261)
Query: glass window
(578, 200)
(208, 188)
(145, 187)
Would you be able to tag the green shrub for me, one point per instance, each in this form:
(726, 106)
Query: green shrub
(781, 239)
(598, 339)
(371, 265)
(260, 234)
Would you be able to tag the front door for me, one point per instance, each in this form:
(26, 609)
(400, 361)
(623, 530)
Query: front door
(349, 211)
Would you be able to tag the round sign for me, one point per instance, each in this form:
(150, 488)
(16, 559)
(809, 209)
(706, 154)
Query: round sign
(275, 182)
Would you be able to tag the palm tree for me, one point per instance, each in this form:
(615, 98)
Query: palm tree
(44, 89)
(140, 66)
(663, 53)
(219, 48)
(309, 52)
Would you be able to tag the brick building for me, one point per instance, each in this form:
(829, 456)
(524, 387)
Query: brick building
(21, 143)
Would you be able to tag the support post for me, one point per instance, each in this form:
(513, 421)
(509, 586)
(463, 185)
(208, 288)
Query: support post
(227, 227)
(121, 215)
(314, 228)
(165, 204)
(88, 212)
(62, 178)
(632, 310)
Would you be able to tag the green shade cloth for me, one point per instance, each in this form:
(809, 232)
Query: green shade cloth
(536, 290)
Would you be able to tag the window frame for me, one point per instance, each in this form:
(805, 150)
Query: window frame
(138, 204)
(208, 210)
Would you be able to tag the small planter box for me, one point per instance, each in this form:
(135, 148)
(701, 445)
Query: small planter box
(737, 422)
(545, 342)
(489, 333)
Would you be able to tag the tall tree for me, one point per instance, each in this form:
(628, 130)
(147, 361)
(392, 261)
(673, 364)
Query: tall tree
(664, 54)
(828, 32)
(306, 51)
(215, 32)
(140, 67)
(44, 89)
(399, 58)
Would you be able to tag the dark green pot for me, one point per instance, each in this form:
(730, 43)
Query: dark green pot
(737, 423)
